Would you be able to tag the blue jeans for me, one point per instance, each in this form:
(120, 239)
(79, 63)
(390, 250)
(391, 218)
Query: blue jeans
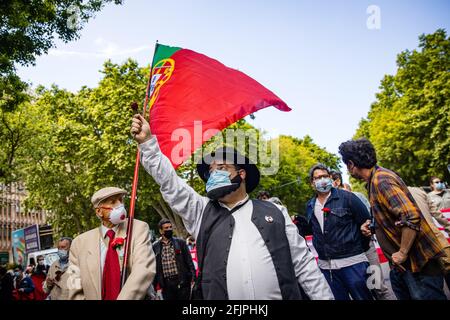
(349, 281)
(417, 286)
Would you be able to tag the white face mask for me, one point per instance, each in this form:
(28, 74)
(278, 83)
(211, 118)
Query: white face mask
(118, 215)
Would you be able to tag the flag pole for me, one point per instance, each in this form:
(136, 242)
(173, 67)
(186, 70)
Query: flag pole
(134, 186)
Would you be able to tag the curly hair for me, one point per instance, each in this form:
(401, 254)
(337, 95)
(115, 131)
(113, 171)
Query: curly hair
(361, 152)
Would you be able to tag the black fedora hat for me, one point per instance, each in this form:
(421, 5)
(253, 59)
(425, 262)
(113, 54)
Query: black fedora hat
(232, 156)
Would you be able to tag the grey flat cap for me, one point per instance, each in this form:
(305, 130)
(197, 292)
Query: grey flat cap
(105, 193)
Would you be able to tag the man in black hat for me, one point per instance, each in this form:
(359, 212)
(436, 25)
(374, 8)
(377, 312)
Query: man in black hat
(246, 249)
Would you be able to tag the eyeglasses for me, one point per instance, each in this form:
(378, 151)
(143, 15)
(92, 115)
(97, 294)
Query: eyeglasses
(106, 208)
(320, 177)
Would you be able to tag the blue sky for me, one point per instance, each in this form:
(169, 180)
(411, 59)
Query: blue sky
(318, 56)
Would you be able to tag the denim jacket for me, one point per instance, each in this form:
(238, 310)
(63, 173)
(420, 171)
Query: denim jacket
(341, 236)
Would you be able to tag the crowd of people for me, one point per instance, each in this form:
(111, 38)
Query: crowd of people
(245, 249)
(37, 282)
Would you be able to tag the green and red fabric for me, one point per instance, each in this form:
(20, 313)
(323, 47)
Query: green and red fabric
(193, 97)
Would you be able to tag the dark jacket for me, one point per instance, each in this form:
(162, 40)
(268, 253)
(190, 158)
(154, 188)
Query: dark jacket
(28, 286)
(342, 235)
(185, 266)
(304, 228)
(6, 287)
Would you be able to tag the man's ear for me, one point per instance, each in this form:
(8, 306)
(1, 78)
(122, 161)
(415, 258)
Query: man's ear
(243, 174)
(99, 213)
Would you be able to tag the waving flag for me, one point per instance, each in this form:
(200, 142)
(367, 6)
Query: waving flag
(193, 96)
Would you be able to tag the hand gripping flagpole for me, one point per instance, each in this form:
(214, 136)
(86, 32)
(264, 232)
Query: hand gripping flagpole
(135, 183)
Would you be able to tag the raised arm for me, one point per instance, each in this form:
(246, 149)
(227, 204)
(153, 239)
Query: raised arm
(183, 200)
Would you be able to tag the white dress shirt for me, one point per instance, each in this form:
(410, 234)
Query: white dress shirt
(250, 270)
(334, 264)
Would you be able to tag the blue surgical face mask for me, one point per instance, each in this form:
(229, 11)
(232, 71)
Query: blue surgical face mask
(63, 255)
(217, 179)
(219, 184)
(440, 186)
(323, 185)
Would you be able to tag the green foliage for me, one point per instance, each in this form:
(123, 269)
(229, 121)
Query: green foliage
(28, 29)
(409, 123)
(78, 143)
(73, 144)
(296, 157)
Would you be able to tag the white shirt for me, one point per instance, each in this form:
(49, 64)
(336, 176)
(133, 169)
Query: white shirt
(334, 264)
(250, 270)
(318, 211)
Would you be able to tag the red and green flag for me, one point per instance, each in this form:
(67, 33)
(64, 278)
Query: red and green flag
(192, 95)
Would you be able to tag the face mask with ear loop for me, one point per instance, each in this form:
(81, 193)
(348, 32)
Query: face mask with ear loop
(440, 186)
(219, 184)
(323, 185)
(117, 215)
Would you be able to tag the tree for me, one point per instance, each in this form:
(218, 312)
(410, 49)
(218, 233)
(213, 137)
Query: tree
(297, 156)
(28, 29)
(409, 123)
(76, 143)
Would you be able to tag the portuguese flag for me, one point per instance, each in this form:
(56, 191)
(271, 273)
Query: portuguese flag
(192, 97)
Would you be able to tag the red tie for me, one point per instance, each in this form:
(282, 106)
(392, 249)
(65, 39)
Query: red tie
(111, 271)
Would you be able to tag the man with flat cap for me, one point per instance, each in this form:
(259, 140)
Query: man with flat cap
(95, 259)
(247, 249)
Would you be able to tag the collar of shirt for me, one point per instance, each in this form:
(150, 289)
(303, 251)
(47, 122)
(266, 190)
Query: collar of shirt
(168, 243)
(238, 203)
(326, 199)
(62, 265)
(370, 178)
(105, 229)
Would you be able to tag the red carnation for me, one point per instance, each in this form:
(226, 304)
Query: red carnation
(117, 243)
(177, 251)
(326, 211)
(134, 105)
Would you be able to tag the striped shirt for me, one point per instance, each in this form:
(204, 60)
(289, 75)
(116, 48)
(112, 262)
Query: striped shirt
(393, 207)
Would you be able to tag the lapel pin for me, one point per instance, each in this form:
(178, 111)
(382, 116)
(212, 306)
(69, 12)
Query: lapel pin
(269, 219)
